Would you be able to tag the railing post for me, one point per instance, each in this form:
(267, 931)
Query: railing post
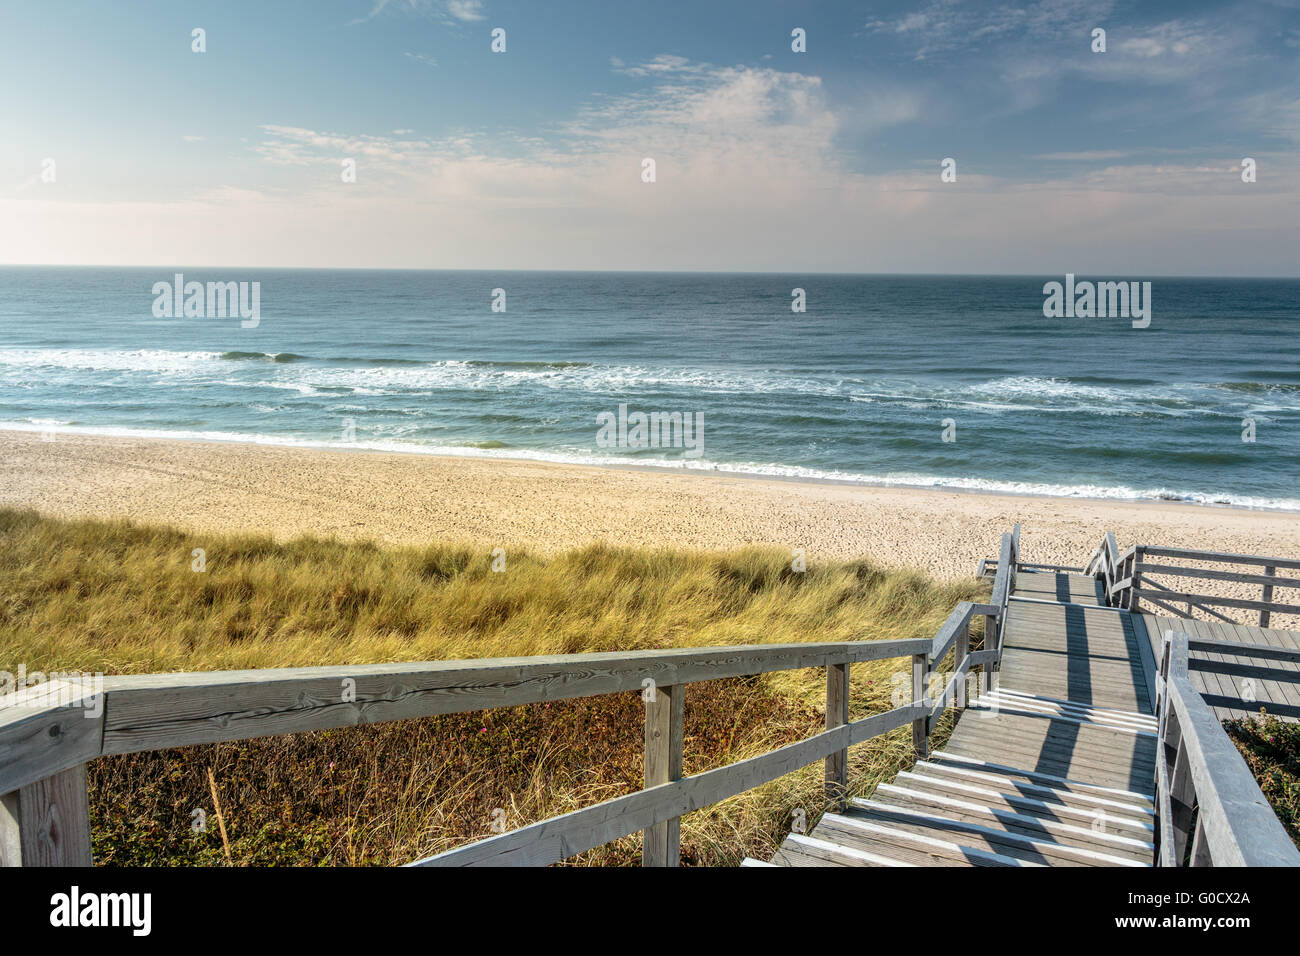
(1270, 571)
(920, 726)
(1137, 578)
(11, 847)
(837, 715)
(1200, 855)
(47, 823)
(1182, 796)
(664, 710)
(990, 644)
(961, 647)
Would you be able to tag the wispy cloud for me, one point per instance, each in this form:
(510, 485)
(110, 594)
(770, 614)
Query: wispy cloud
(948, 25)
(449, 11)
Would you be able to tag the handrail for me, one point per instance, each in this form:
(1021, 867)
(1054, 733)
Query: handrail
(158, 711)
(1118, 572)
(1004, 583)
(558, 838)
(1137, 588)
(1201, 774)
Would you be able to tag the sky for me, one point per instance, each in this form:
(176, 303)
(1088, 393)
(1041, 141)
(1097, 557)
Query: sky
(122, 145)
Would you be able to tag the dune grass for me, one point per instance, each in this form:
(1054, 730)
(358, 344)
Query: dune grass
(118, 598)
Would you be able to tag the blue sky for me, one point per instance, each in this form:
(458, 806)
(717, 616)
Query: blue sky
(1126, 161)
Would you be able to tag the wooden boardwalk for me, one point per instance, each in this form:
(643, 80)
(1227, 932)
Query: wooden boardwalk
(1236, 686)
(1054, 767)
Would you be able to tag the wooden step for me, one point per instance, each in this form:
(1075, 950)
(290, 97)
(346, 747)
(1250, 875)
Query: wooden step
(1072, 834)
(1137, 719)
(1137, 807)
(993, 704)
(1053, 780)
(792, 854)
(834, 853)
(853, 829)
(1046, 806)
(979, 836)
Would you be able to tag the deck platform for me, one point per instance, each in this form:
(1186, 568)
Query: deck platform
(1234, 686)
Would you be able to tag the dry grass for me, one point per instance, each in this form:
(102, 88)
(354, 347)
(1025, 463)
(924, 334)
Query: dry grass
(117, 598)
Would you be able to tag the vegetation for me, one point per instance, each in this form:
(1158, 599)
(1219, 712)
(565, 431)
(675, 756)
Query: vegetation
(1272, 750)
(118, 598)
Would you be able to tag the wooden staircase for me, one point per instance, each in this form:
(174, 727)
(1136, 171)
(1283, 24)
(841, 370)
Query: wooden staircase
(1027, 778)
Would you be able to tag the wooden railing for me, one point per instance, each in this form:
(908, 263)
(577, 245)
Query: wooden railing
(1127, 579)
(1004, 583)
(46, 738)
(1209, 809)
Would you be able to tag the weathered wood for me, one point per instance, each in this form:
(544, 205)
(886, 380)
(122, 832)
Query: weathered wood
(1221, 557)
(921, 726)
(958, 622)
(1269, 578)
(1271, 571)
(993, 651)
(1241, 828)
(150, 712)
(45, 729)
(1201, 599)
(664, 716)
(837, 715)
(54, 820)
(1182, 803)
(11, 847)
(961, 664)
(558, 838)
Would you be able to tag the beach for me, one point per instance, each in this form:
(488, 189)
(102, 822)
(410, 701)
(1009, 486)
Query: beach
(398, 499)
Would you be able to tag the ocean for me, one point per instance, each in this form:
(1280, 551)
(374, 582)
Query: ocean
(930, 381)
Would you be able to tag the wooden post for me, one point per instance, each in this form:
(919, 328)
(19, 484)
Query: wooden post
(11, 847)
(1137, 577)
(961, 647)
(1182, 798)
(1200, 855)
(47, 823)
(661, 843)
(837, 715)
(920, 726)
(990, 644)
(1268, 596)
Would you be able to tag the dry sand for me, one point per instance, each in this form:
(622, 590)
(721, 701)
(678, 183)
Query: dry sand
(394, 498)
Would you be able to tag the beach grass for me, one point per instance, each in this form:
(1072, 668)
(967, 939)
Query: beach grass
(122, 598)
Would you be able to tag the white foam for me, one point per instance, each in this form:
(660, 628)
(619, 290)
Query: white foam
(750, 469)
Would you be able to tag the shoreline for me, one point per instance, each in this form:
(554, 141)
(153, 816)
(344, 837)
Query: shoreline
(398, 498)
(478, 453)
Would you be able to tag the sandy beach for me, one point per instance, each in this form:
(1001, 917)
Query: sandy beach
(402, 499)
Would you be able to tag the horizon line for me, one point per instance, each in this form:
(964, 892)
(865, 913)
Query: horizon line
(747, 272)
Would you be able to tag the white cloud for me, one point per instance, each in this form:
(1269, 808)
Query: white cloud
(1090, 155)
(948, 25)
(468, 10)
(749, 177)
(449, 11)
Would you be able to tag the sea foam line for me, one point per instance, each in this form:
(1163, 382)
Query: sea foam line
(740, 469)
